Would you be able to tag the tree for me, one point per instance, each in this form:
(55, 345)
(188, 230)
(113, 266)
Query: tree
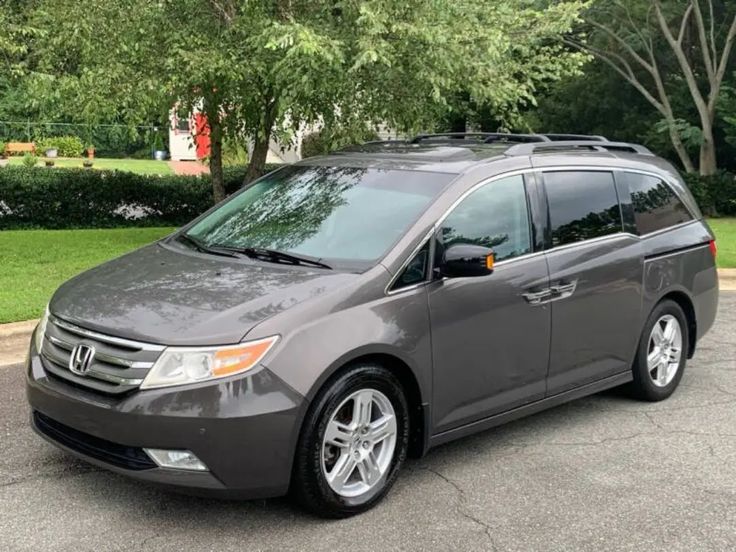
(650, 45)
(262, 70)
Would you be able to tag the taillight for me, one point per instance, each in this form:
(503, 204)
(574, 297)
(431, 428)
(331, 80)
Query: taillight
(713, 248)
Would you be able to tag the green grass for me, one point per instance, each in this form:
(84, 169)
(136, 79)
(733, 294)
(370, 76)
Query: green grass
(725, 231)
(140, 166)
(36, 262)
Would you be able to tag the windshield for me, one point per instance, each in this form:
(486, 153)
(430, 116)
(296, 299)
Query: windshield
(346, 216)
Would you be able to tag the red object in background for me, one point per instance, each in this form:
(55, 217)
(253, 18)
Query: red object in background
(201, 136)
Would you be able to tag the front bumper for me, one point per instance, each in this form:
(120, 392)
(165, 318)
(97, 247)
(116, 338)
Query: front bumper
(244, 429)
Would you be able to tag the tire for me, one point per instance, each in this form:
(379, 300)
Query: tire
(318, 484)
(656, 384)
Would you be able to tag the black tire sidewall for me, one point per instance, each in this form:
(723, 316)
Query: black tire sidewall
(643, 383)
(311, 486)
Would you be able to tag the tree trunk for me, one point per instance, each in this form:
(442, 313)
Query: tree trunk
(708, 164)
(218, 181)
(680, 148)
(258, 157)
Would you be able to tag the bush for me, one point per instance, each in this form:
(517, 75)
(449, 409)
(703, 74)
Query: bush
(78, 198)
(716, 195)
(323, 141)
(68, 146)
(30, 160)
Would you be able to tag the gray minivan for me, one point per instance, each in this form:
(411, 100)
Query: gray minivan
(339, 314)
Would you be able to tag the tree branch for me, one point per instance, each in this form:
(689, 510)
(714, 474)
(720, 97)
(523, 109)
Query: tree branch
(683, 24)
(707, 59)
(633, 53)
(722, 64)
(623, 68)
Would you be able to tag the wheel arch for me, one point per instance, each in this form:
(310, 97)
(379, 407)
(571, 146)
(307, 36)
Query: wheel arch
(401, 368)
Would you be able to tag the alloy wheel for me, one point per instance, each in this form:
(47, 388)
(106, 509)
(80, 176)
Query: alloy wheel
(665, 350)
(359, 443)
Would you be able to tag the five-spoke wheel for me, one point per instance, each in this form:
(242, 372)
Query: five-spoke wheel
(354, 440)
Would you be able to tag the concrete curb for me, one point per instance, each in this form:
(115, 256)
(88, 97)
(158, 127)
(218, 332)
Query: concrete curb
(14, 337)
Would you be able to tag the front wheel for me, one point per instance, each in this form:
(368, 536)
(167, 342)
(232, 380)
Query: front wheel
(354, 439)
(662, 354)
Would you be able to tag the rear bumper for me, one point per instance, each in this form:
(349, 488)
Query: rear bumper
(244, 430)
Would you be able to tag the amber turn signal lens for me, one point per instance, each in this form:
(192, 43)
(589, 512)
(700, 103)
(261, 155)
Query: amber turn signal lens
(239, 359)
(489, 261)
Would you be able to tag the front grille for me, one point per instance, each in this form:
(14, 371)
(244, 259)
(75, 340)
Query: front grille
(117, 365)
(131, 458)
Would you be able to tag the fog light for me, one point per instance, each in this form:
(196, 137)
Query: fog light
(176, 459)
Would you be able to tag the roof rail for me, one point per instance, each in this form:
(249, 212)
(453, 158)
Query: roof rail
(482, 137)
(568, 137)
(573, 145)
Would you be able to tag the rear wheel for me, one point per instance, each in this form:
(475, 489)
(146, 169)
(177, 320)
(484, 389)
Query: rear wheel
(660, 360)
(355, 438)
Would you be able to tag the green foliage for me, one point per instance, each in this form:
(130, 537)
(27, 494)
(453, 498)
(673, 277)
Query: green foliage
(67, 146)
(716, 195)
(325, 140)
(74, 198)
(30, 160)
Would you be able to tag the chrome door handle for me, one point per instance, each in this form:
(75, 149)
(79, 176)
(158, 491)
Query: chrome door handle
(564, 290)
(536, 297)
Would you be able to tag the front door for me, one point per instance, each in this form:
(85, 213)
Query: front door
(596, 279)
(490, 334)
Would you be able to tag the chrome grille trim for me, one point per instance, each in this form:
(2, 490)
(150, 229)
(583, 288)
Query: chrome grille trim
(61, 363)
(102, 356)
(119, 341)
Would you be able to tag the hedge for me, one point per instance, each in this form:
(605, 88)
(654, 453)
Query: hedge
(716, 195)
(66, 146)
(88, 198)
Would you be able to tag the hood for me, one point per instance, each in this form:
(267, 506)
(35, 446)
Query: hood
(160, 294)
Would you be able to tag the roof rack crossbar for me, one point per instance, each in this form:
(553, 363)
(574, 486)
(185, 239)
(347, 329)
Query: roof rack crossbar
(571, 145)
(482, 137)
(567, 137)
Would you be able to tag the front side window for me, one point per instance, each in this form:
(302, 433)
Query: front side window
(346, 216)
(582, 205)
(656, 206)
(495, 216)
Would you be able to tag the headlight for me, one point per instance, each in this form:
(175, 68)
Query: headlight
(41, 330)
(182, 365)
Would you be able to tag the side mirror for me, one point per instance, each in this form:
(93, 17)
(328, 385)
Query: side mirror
(463, 260)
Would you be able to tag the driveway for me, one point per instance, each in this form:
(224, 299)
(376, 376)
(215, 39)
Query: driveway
(601, 473)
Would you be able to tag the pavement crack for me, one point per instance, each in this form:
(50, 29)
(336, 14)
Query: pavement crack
(462, 505)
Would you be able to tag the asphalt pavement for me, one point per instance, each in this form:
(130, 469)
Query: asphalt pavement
(600, 473)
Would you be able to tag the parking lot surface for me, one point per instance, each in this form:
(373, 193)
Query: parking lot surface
(600, 473)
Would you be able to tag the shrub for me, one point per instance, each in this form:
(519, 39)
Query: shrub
(78, 198)
(30, 160)
(68, 146)
(716, 195)
(324, 141)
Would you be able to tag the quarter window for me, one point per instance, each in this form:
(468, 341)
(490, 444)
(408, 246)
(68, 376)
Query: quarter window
(582, 205)
(495, 216)
(415, 271)
(656, 206)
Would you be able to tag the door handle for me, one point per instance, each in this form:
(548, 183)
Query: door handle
(536, 297)
(562, 290)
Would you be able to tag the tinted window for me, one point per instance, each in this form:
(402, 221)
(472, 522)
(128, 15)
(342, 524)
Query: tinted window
(656, 206)
(348, 216)
(416, 271)
(494, 216)
(582, 205)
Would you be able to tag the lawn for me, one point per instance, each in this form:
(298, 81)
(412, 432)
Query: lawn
(36, 262)
(140, 166)
(725, 230)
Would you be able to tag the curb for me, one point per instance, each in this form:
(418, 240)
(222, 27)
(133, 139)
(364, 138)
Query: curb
(14, 337)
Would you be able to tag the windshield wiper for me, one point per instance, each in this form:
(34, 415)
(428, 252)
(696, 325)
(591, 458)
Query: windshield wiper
(199, 245)
(276, 256)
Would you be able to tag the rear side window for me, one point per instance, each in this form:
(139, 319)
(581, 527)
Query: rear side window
(582, 205)
(656, 206)
(495, 216)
